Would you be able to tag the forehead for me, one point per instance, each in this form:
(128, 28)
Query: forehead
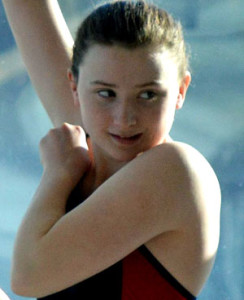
(128, 66)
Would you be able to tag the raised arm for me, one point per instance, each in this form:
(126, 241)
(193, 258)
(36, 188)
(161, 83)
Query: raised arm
(45, 43)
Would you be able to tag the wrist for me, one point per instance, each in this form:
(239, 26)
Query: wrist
(58, 180)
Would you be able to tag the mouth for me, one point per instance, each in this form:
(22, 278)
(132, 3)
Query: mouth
(126, 140)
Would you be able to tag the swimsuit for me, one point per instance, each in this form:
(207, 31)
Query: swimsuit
(138, 276)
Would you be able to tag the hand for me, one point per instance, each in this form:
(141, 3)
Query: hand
(64, 153)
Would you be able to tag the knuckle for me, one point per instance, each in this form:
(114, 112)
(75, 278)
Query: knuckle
(78, 128)
(79, 131)
(42, 142)
(52, 132)
(65, 127)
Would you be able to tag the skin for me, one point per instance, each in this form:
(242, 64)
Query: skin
(126, 101)
(156, 209)
(51, 55)
(140, 186)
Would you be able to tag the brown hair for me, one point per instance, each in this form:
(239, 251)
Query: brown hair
(130, 24)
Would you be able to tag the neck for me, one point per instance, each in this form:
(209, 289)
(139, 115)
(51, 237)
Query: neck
(103, 167)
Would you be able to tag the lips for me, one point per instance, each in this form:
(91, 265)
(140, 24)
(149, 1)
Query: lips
(126, 140)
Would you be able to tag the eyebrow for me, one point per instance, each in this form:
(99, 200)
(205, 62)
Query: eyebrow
(155, 83)
(100, 82)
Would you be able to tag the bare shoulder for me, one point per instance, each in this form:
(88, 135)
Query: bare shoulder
(189, 180)
(178, 159)
(178, 179)
(194, 196)
(182, 154)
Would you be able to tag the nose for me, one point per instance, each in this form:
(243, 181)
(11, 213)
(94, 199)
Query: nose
(125, 114)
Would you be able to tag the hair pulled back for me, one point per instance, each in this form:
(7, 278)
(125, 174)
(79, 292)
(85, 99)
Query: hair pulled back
(130, 24)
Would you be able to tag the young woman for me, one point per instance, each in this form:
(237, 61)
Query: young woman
(136, 216)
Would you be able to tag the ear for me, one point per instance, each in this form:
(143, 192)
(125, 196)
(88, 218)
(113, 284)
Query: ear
(73, 87)
(183, 89)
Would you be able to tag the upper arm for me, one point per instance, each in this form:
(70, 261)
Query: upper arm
(152, 194)
(45, 44)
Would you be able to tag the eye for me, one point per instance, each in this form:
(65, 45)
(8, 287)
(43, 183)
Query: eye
(148, 95)
(106, 93)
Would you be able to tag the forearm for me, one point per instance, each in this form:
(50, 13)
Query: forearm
(65, 162)
(47, 207)
(48, 204)
(45, 44)
(31, 18)
(35, 24)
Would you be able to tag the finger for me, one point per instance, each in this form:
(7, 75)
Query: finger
(76, 132)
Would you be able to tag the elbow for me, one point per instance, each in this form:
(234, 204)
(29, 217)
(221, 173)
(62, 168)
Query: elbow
(23, 288)
(28, 276)
(24, 283)
(19, 286)
(28, 284)
(19, 276)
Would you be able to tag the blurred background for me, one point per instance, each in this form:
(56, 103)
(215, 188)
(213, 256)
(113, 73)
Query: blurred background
(212, 120)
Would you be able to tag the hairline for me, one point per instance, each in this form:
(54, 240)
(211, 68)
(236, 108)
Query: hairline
(156, 47)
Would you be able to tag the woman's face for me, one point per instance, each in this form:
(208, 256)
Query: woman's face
(127, 99)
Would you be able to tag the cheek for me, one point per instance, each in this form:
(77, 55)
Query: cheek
(163, 118)
(93, 117)
(161, 113)
(86, 112)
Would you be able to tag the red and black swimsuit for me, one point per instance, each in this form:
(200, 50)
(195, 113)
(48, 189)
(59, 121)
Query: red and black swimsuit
(139, 276)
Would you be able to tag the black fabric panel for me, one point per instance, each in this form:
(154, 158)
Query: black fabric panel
(105, 285)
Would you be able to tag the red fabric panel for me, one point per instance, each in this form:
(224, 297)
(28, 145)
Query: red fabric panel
(141, 281)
